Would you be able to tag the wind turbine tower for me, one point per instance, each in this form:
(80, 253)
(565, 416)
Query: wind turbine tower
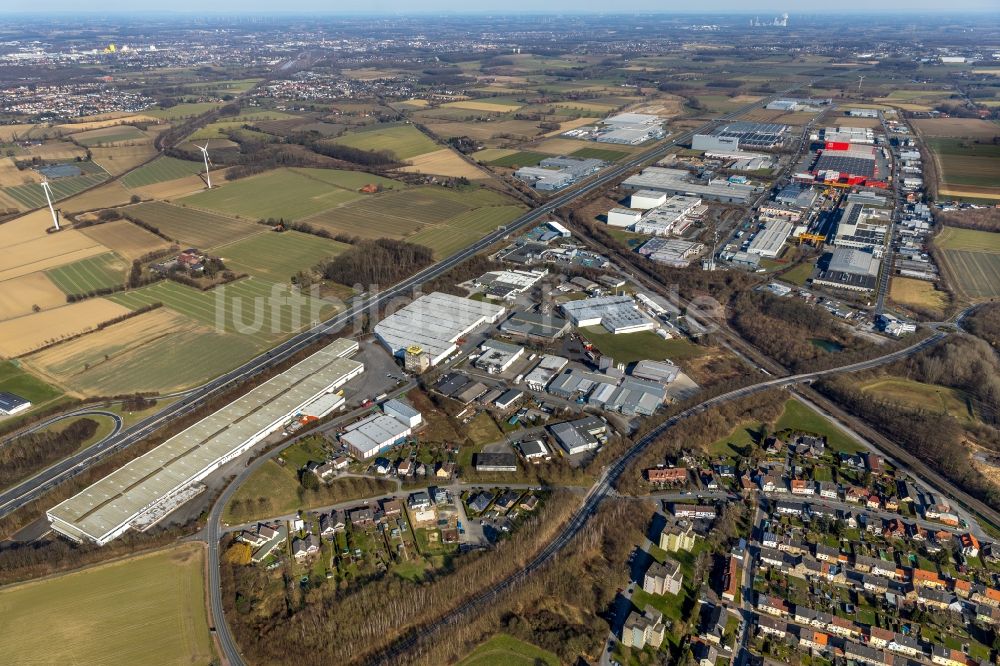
(861, 79)
(48, 198)
(204, 153)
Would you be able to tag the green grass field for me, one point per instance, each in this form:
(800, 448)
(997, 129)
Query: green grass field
(404, 141)
(972, 261)
(464, 229)
(519, 159)
(15, 380)
(953, 238)
(194, 228)
(144, 609)
(928, 397)
(81, 277)
(629, 347)
(800, 418)
(250, 308)
(32, 196)
(278, 256)
(183, 110)
(122, 133)
(600, 154)
(161, 170)
(799, 273)
(505, 650)
(399, 214)
(967, 163)
(293, 194)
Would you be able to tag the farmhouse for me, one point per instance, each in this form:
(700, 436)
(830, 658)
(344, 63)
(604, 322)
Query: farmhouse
(146, 489)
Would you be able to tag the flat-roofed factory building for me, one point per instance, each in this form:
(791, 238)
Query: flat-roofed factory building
(434, 323)
(142, 491)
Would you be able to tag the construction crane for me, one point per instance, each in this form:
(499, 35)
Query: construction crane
(811, 239)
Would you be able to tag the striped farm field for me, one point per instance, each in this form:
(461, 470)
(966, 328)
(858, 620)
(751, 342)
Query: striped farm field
(191, 227)
(161, 170)
(82, 277)
(404, 141)
(971, 260)
(395, 215)
(109, 135)
(32, 196)
(142, 609)
(292, 194)
(520, 159)
(161, 350)
(464, 229)
(605, 154)
(251, 308)
(278, 256)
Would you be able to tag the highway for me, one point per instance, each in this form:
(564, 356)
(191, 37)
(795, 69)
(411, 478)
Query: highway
(31, 489)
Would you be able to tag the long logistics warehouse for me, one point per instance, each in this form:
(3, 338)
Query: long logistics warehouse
(129, 496)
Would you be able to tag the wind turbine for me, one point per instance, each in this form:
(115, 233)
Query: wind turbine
(861, 79)
(48, 197)
(204, 153)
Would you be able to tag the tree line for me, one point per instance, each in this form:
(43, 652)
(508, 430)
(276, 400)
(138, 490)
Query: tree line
(383, 261)
(29, 453)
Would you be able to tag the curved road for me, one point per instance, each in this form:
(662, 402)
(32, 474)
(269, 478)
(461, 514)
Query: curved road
(27, 491)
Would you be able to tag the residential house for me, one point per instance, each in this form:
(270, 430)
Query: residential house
(678, 535)
(802, 487)
(302, 548)
(865, 654)
(715, 624)
(923, 578)
(772, 605)
(668, 475)
(772, 483)
(406, 468)
(826, 553)
(970, 544)
(663, 578)
(828, 490)
(326, 471)
(876, 584)
(445, 470)
(856, 494)
(705, 654)
(814, 640)
(645, 629)
(731, 579)
(843, 627)
(419, 501)
(392, 507)
(790, 508)
(988, 596)
(772, 626)
(947, 657)
(934, 598)
(694, 511)
(362, 517)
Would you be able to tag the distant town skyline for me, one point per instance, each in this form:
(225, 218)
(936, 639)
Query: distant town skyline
(401, 7)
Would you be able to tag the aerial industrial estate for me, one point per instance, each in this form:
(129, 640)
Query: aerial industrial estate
(589, 339)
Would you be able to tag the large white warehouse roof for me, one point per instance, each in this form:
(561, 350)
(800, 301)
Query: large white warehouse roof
(434, 322)
(110, 506)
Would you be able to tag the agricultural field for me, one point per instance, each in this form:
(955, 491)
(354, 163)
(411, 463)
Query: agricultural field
(489, 154)
(915, 100)
(404, 141)
(176, 189)
(497, 104)
(29, 248)
(606, 154)
(250, 308)
(183, 110)
(56, 151)
(519, 159)
(928, 397)
(161, 170)
(278, 256)
(397, 215)
(116, 160)
(156, 351)
(193, 228)
(11, 176)
(111, 135)
(26, 334)
(14, 379)
(969, 128)
(561, 146)
(293, 194)
(124, 238)
(445, 162)
(523, 130)
(917, 293)
(106, 196)
(21, 295)
(972, 261)
(103, 271)
(119, 613)
(464, 229)
(32, 196)
(968, 165)
(505, 650)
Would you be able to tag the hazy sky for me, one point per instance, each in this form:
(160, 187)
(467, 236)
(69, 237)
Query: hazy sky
(496, 6)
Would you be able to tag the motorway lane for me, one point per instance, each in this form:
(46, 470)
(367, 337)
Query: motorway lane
(28, 491)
